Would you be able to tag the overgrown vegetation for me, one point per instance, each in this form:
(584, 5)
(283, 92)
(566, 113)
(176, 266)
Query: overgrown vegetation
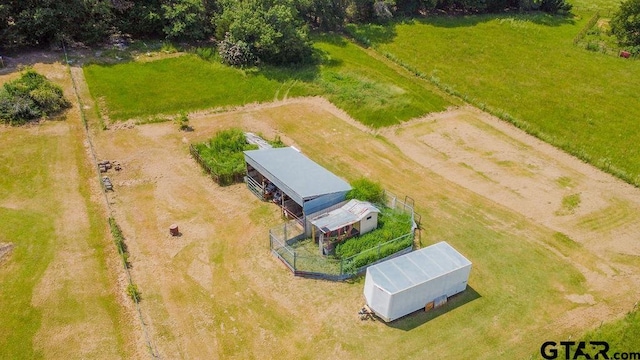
(223, 156)
(366, 190)
(133, 292)
(118, 238)
(30, 97)
(183, 122)
(391, 225)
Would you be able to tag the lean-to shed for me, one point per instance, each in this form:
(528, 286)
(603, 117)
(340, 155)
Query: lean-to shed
(308, 186)
(353, 218)
(400, 286)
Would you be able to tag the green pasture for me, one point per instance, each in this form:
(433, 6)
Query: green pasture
(183, 83)
(372, 90)
(525, 68)
(30, 213)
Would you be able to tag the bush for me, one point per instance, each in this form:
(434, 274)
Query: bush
(133, 292)
(625, 24)
(366, 190)
(29, 97)
(237, 53)
(183, 122)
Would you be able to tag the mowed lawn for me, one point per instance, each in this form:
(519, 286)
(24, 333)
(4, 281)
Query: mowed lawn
(57, 292)
(365, 87)
(525, 67)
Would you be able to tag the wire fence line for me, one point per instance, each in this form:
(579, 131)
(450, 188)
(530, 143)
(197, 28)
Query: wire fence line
(136, 299)
(302, 256)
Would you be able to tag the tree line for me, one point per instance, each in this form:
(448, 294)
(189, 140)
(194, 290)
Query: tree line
(274, 31)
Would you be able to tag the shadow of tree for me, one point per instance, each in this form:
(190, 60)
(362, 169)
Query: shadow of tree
(372, 34)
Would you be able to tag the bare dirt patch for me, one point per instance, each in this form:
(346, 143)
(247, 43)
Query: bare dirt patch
(5, 251)
(526, 175)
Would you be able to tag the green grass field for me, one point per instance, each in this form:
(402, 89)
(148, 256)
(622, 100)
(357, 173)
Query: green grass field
(525, 68)
(183, 83)
(372, 90)
(58, 298)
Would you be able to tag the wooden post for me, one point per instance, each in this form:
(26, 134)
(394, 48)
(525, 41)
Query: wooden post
(285, 234)
(321, 244)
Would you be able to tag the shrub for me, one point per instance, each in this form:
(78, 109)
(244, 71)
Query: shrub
(625, 23)
(237, 53)
(133, 292)
(183, 122)
(30, 97)
(366, 190)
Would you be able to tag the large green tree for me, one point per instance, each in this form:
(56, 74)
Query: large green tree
(46, 21)
(625, 24)
(186, 20)
(272, 31)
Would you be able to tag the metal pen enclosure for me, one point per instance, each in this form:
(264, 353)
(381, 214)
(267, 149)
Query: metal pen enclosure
(408, 283)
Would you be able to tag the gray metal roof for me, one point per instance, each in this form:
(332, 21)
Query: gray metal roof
(350, 213)
(417, 267)
(297, 175)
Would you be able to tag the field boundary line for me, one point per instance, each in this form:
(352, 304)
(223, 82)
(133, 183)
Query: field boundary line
(150, 346)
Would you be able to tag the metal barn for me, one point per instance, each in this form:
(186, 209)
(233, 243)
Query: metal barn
(415, 281)
(293, 181)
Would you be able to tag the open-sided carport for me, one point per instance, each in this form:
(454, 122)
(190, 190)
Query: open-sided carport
(298, 184)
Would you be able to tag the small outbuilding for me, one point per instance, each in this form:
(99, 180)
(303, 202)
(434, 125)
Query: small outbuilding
(418, 280)
(293, 181)
(353, 218)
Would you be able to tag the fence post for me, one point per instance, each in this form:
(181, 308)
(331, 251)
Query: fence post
(379, 245)
(341, 262)
(295, 256)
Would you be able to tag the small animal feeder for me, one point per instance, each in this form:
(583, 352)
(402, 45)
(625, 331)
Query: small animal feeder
(173, 230)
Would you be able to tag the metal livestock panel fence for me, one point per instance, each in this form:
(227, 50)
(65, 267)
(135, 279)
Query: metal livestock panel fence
(302, 255)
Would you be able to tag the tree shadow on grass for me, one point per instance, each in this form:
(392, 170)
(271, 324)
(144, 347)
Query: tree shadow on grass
(534, 17)
(420, 317)
(373, 34)
(303, 72)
